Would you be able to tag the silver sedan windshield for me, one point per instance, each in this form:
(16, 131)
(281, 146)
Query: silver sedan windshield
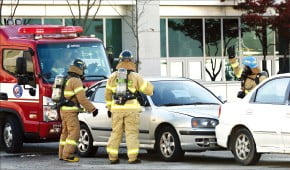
(175, 93)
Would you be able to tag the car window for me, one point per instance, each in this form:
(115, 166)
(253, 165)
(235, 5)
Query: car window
(273, 92)
(99, 95)
(174, 93)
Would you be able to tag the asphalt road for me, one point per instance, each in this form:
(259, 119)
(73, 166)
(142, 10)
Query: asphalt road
(44, 156)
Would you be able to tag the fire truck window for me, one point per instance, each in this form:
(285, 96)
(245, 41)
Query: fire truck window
(9, 60)
(28, 57)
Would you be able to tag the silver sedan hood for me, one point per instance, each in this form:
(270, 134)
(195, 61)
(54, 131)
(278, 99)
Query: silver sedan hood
(208, 111)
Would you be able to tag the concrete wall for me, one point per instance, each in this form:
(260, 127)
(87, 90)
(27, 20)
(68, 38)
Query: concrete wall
(228, 91)
(149, 36)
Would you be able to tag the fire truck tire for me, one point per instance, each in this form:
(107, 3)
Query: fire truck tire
(12, 136)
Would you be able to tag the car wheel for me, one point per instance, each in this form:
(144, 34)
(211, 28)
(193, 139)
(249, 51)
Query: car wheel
(85, 146)
(12, 136)
(168, 144)
(244, 147)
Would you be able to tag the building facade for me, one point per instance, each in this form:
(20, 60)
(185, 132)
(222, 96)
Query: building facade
(184, 38)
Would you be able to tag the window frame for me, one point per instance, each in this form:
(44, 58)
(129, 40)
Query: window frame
(285, 100)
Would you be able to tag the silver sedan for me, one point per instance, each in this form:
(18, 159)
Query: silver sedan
(180, 116)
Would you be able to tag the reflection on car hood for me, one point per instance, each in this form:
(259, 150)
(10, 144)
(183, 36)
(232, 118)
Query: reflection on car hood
(209, 111)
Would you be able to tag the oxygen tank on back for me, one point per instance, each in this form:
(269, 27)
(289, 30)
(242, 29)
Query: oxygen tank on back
(57, 87)
(121, 82)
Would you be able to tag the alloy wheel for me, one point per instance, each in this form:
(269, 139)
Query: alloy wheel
(167, 144)
(243, 147)
(7, 135)
(83, 141)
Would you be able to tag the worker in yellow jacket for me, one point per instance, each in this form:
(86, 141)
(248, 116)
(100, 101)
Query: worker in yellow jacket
(74, 95)
(121, 95)
(250, 75)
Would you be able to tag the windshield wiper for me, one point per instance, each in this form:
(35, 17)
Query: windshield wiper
(201, 103)
(171, 104)
(103, 76)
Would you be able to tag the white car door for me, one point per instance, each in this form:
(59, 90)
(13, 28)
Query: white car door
(285, 110)
(266, 116)
(100, 125)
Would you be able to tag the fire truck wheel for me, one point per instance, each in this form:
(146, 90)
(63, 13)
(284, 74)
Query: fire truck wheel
(12, 135)
(85, 146)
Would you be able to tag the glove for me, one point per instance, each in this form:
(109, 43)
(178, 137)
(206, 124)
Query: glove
(109, 114)
(95, 112)
(241, 94)
(231, 52)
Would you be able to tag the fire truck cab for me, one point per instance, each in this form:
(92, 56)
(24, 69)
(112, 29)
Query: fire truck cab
(31, 57)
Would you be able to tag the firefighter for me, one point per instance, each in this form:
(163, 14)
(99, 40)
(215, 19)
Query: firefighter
(121, 99)
(74, 94)
(250, 75)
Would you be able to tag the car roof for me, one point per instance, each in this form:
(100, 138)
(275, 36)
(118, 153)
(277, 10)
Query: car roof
(155, 78)
(280, 75)
(161, 78)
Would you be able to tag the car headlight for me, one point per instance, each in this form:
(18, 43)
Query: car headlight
(49, 110)
(200, 122)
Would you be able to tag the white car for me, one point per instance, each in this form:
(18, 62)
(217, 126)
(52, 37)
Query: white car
(180, 116)
(259, 123)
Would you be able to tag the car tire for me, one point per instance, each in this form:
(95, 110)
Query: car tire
(12, 135)
(244, 148)
(151, 151)
(85, 146)
(168, 145)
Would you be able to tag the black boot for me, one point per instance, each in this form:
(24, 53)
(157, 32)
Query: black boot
(137, 161)
(115, 161)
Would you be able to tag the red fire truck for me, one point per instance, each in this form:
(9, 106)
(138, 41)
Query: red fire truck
(31, 57)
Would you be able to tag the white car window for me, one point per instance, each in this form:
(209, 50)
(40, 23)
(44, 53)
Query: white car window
(99, 95)
(273, 92)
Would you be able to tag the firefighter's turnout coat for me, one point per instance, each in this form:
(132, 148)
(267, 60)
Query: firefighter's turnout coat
(125, 117)
(252, 80)
(69, 114)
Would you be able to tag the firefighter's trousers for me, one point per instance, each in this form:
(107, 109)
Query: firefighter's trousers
(70, 134)
(128, 122)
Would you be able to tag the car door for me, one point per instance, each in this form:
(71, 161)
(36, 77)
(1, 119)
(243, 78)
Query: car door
(285, 109)
(100, 125)
(266, 116)
(145, 118)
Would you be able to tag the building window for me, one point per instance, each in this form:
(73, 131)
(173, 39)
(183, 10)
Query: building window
(230, 38)
(213, 37)
(185, 37)
(163, 37)
(251, 45)
(93, 27)
(31, 21)
(114, 38)
(53, 21)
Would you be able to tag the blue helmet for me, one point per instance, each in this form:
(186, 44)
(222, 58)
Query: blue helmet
(250, 61)
(126, 54)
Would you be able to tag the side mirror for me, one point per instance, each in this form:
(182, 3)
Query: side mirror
(21, 66)
(222, 99)
(3, 96)
(21, 72)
